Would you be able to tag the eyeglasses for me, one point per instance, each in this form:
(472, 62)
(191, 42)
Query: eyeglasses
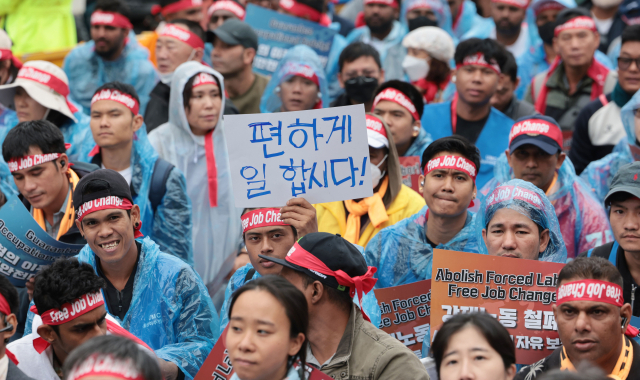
(624, 63)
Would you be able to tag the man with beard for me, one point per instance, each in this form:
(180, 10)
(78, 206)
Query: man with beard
(385, 33)
(113, 55)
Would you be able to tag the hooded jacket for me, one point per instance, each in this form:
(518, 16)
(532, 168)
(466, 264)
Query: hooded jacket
(583, 221)
(87, 71)
(418, 145)
(217, 232)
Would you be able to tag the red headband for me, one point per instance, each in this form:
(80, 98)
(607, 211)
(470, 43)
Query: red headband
(504, 193)
(71, 310)
(227, 5)
(26, 162)
(536, 127)
(548, 5)
(261, 218)
(110, 19)
(423, 4)
(4, 306)
(8, 54)
(582, 22)
(590, 290)
(182, 35)
(108, 366)
(516, 3)
(362, 284)
(175, 7)
(396, 96)
(378, 133)
(478, 60)
(302, 11)
(204, 78)
(117, 96)
(49, 80)
(452, 162)
(300, 70)
(391, 3)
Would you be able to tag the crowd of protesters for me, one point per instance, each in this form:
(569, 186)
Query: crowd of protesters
(523, 114)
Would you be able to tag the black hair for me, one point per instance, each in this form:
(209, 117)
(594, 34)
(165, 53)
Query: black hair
(510, 67)
(124, 88)
(617, 198)
(9, 293)
(318, 5)
(116, 6)
(114, 347)
(187, 93)
(193, 26)
(490, 48)
(630, 33)
(356, 50)
(453, 144)
(492, 330)
(338, 297)
(294, 303)
(39, 133)
(584, 371)
(571, 13)
(408, 90)
(592, 268)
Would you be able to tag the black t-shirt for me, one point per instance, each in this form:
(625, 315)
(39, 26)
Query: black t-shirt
(470, 129)
(118, 302)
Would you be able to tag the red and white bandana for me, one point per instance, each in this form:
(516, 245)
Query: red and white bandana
(103, 203)
(424, 4)
(582, 22)
(27, 162)
(48, 80)
(534, 127)
(590, 290)
(305, 11)
(182, 35)
(506, 193)
(523, 4)
(452, 162)
(393, 95)
(117, 96)
(105, 366)
(479, 60)
(227, 5)
(70, 311)
(263, 217)
(300, 70)
(391, 3)
(547, 6)
(8, 54)
(175, 7)
(110, 19)
(376, 133)
(204, 78)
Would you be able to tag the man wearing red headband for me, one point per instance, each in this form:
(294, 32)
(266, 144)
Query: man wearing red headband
(223, 10)
(330, 271)
(575, 77)
(479, 64)
(592, 319)
(113, 55)
(9, 303)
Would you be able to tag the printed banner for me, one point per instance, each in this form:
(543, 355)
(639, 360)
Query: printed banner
(25, 248)
(518, 292)
(320, 155)
(278, 32)
(411, 171)
(217, 365)
(406, 312)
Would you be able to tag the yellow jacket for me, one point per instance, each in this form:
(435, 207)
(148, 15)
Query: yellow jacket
(149, 40)
(332, 217)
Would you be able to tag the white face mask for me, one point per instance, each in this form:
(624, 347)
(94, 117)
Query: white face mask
(166, 77)
(415, 68)
(606, 4)
(376, 174)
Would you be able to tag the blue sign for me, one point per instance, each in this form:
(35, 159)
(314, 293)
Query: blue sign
(278, 32)
(25, 248)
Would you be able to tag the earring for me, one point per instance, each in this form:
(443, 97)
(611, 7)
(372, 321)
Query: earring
(453, 79)
(416, 128)
(137, 224)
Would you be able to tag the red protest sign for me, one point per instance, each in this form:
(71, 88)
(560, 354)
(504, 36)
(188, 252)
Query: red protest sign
(518, 292)
(410, 169)
(406, 313)
(217, 365)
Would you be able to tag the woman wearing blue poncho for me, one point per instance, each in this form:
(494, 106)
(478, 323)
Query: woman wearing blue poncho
(600, 173)
(517, 220)
(299, 83)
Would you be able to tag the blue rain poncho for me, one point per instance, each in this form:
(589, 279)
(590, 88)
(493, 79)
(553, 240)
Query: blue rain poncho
(468, 17)
(217, 231)
(7, 184)
(170, 226)
(600, 173)
(402, 254)
(87, 71)
(510, 195)
(583, 221)
(295, 59)
(391, 50)
(439, 7)
(170, 310)
(421, 143)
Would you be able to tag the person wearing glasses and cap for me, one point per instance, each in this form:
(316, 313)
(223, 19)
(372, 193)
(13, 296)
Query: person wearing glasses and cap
(343, 344)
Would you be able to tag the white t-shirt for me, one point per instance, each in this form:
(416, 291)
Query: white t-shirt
(519, 47)
(126, 173)
(603, 26)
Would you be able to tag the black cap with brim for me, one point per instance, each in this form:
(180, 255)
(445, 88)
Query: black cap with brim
(635, 191)
(547, 144)
(109, 183)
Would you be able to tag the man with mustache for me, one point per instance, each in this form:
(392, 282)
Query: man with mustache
(623, 205)
(592, 319)
(534, 155)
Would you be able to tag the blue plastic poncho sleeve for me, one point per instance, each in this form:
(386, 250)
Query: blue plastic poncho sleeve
(172, 222)
(236, 281)
(332, 68)
(78, 135)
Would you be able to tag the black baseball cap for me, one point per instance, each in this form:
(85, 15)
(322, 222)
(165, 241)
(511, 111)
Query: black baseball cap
(538, 130)
(626, 180)
(332, 250)
(99, 184)
(236, 32)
